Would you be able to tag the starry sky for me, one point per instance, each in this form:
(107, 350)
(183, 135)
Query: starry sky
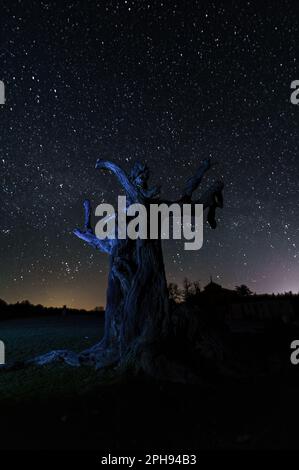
(165, 82)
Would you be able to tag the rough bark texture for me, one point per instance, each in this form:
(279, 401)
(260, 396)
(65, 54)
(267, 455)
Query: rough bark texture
(139, 332)
(138, 328)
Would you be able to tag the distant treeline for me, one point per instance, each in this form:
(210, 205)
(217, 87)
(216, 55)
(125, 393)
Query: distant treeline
(26, 309)
(192, 292)
(211, 298)
(219, 301)
(235, 310)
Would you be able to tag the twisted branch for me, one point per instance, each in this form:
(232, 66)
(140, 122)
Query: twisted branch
(87, 234)
(130, 189)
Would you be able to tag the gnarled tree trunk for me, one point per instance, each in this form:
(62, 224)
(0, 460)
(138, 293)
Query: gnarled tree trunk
(138, 325)
(137, 318)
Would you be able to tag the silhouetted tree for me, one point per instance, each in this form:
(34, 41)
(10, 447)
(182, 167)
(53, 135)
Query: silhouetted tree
(137, 319)
(3, 304)
(243, 290)
(191, 290)
(174, 292)
(187, 286)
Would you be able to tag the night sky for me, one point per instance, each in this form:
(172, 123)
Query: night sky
(168, 83)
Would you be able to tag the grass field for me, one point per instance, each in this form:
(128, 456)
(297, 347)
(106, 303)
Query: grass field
(58, 407)
(26, 338)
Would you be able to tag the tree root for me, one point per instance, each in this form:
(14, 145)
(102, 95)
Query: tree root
(96, 357)
(142, 359)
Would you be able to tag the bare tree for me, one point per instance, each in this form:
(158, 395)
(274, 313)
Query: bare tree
(137, 318)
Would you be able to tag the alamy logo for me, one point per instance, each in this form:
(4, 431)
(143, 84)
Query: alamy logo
(152, 221)
(2, 93)
(295, 94)
(2, 353)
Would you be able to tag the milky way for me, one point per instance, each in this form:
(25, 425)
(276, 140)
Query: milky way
(168, 83)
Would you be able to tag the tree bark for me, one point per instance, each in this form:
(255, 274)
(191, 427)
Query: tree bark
(138, 326)
(137, 319)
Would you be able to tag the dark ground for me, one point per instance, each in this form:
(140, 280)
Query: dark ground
(154, 417)
(58, 407)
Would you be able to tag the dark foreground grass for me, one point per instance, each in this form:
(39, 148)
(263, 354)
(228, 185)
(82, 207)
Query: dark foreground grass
(62, 408)
(27, 338)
